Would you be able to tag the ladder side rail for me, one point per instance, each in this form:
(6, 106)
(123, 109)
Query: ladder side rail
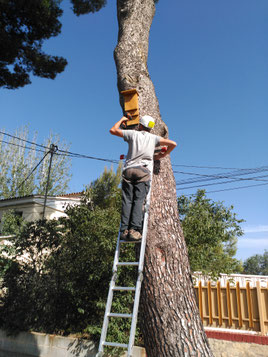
(138, 284)
(116, 254)
(140, 275)
(107, 311)
(135, 315)
(144, 231)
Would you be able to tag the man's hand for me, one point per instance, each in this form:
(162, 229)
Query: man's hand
(115, 130)
(170, 144)
(159, 153)
(123, 124)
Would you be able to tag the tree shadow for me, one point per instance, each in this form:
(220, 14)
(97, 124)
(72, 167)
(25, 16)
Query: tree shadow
(82, 348)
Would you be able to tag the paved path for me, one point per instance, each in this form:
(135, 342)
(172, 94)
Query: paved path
(222, 348)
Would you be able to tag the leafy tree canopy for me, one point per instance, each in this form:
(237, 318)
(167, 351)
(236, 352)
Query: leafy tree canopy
(105, 192)
(24, 25)
(18, 159)
(81, 7)
(257, 264)
(211, 232)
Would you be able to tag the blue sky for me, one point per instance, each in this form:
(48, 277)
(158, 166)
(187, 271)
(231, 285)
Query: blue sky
(208, 62)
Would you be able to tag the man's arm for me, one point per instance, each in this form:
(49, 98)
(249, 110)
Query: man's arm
(115, 130)
(170, 146)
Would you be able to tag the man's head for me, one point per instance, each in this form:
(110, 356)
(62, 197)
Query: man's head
(147, 122)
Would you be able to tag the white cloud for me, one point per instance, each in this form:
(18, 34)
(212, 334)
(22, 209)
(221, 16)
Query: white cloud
(247, 247)
(256, 229)
(255, 243)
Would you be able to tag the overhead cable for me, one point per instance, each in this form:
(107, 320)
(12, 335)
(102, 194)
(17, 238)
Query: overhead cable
(60, 152)
(220, 183)
(209, 167)
(27, 141)
(229, 189)
(75, 155)
(217, 176)
(21, 146)
(232, 174)
(238, 172)
(31, 172)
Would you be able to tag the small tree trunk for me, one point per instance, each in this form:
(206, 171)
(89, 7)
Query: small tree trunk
(171, 322)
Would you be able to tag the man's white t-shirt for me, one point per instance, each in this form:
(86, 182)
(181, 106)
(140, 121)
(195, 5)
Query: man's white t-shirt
(141, 146)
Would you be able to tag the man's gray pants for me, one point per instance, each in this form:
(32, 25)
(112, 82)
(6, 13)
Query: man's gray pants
(135, 186)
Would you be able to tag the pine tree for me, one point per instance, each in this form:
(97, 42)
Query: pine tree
(171, 322)
(24, 25)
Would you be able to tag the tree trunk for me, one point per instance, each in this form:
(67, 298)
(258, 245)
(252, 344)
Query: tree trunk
(170, 318)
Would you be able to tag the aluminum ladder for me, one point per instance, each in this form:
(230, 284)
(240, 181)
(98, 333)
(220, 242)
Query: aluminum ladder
(134, 315)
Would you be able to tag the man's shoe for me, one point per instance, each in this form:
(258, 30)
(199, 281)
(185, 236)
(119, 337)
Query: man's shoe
(124, 235)
(134, 235)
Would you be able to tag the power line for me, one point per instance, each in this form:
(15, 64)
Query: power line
(31, 172)
(230, 189)
(61, 152)
(228, 175)
(219, 183)
(238, 172)
(209, 167)
(218, 176)
(27, 141)
(25, 147)
(81, 156)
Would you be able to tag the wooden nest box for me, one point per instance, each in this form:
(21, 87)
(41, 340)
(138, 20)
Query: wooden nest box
(131, 101)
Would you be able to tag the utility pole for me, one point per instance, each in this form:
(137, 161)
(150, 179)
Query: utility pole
(53, 148)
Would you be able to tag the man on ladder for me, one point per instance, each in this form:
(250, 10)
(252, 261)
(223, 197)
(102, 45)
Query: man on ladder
(137, 172)
(137, 175)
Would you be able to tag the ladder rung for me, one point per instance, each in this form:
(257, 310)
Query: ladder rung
(124, 288)
(119, 315)
(114, 344)
(128, 263)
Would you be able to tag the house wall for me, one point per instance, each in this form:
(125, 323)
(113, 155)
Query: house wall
(32, 208)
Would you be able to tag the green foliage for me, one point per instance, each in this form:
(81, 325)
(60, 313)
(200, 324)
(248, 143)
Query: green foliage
(58, 278)
(211, 232)
(24, 25)
(104, 192)
(11, 223)
(30, 284)
(81, 7)
(257, 264)
(16, 162)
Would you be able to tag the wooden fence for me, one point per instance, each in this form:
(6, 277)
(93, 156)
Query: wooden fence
(233, 306)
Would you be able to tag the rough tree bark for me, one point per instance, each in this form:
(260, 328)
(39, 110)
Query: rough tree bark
(171, 322)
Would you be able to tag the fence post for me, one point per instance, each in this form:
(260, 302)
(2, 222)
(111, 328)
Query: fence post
(238, 299)
(249, 302)
(229, 307)
(209, 303)
(260, 308)
(200, 301)
(219, 302)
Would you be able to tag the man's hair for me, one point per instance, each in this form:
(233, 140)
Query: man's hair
(142, 127)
